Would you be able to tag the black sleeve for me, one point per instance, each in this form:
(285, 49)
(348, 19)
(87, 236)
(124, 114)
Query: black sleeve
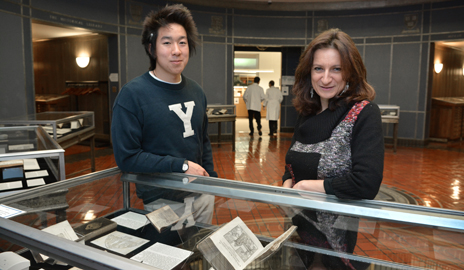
(367, 154)
(287, 174)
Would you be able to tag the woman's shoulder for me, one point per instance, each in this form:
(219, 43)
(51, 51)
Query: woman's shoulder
(364, 105)
(368, 110)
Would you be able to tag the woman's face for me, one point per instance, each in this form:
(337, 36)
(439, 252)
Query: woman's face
(327, 75)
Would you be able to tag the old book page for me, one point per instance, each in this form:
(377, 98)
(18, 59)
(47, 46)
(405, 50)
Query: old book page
(162, 256)
(163, 217)
(119, 242)
(234, 246)
(131, 220)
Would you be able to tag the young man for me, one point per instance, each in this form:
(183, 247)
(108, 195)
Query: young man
(159, 118)
(253, 97)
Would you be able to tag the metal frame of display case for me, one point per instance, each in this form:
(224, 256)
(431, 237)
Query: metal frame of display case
(46, 140)
(82, 256)
(230, 116)
(70, 252)
(428, 216)
(68, 140)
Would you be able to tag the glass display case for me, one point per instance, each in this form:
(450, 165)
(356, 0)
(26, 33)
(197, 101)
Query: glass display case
(391, 115)
(28, 157)
(66, 128)
(222, 113)
(331, 233)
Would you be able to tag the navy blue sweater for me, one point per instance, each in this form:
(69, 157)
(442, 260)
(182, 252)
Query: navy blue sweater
(156, 126)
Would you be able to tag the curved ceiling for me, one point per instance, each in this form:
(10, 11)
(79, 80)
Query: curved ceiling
(305, 5)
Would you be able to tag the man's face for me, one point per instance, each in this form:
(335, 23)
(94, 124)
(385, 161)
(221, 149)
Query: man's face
(172, 52)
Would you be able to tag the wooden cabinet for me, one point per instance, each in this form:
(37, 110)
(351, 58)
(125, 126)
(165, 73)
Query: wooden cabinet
(242, 111)
(447, 118)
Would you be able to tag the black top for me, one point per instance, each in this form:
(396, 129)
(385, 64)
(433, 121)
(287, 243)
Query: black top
(365, 153)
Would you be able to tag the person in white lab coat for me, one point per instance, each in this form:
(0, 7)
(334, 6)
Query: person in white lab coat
(273, 99)
(253, 97)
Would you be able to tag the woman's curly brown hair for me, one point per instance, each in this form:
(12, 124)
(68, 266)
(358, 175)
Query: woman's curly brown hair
(353, 70)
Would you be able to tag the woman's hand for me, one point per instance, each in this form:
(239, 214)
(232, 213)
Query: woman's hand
(309, 185)
(288, 183)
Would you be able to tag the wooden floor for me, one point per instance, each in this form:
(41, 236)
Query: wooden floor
(433, 175)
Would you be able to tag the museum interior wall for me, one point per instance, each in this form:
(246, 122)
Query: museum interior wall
(395, 44)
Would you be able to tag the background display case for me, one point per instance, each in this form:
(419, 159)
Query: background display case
(222, 113)
(66, 128)
(391, 115)
(30, 143)
(388, 235)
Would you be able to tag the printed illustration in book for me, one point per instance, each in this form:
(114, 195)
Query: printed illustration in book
(234, 246)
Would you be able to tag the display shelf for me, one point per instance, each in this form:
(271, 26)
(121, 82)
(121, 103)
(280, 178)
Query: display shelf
(391, 115)
(66, 128)
(30, 142)
(417, 237)
(222, 113)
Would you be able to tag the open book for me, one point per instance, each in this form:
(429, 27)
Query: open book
(164, 217)
(234, 246)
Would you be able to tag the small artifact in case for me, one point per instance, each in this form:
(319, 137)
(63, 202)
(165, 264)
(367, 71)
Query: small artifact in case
(95, 228)
(12, 169)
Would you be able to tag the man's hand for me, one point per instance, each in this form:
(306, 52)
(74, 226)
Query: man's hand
(196, 169)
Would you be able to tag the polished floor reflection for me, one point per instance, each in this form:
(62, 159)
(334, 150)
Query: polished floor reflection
(430, 176)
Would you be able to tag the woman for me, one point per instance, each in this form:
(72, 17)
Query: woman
(337, 147)
(273, 99)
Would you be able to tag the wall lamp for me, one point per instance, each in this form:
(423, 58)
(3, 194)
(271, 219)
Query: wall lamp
(438, 67)
(82, 61)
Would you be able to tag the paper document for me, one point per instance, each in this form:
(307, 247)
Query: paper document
(35, 182)
(31, 164)
(35, 174)
(63, 230)
(162, 256)
(17, 147)
(119, 242)
(11, 185)
(7, 212)
(131, 220)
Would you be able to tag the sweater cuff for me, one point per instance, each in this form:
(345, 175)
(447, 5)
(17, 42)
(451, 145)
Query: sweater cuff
(177, 165)
(328, 186)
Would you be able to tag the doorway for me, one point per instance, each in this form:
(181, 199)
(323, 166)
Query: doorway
(447, 91)
(58, 76)
(250, 64)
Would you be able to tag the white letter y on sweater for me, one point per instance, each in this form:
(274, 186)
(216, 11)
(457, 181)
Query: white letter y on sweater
(185, 117)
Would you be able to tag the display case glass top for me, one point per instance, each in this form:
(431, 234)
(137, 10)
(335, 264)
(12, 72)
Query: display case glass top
(379, 235)
(220, 111)
(61, 125)
(389, 111)
(40, 159)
